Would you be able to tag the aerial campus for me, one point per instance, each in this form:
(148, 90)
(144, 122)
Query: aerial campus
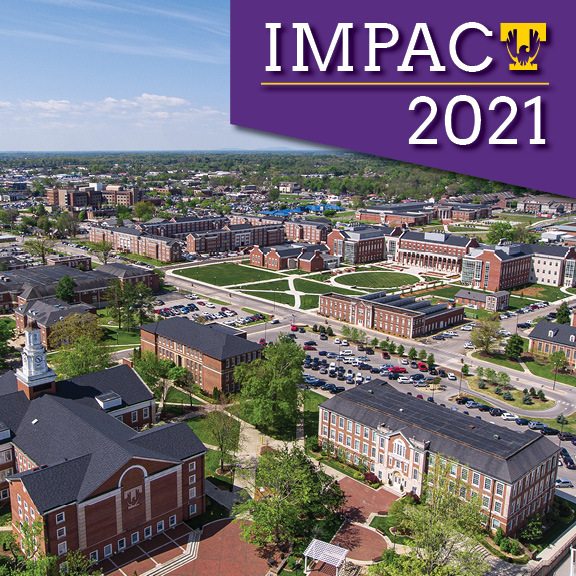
(295, 363)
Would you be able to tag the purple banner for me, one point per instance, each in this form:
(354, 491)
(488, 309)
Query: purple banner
(485, 89)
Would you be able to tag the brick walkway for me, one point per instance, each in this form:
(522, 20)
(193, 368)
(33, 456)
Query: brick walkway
(364, 544)
(363, 500)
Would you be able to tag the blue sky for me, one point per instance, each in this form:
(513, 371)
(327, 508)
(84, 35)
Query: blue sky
(118, 75)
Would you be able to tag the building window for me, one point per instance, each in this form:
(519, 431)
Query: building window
(476, 479)
(107, 550)
(192, 466)
(495, 523)
(62, 548)
(94, 557)
(146, 412)
(485, 501)
(192, 479)
(60, 533)
(122, 544)
(191, 493)
(134, 538)
(172, 521)
(498, 507)
(499, 488)
(148, 532)
(487, 483)
(192, 509)
(134, 416)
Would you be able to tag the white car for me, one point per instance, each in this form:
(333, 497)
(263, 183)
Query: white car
(359, 378)
(451, 376)
(337, 341)
(467, 328)
(451, 333)
(563, 483)
(210, 305)
(344, 343)
(404, 361)
(404, 380)
(469, 346)
(367, 378)
(347, 353)
(508, 416)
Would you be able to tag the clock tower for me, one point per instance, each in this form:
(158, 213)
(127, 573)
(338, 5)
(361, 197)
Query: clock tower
(35, 377)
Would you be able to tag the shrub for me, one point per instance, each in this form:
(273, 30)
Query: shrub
(329, 331)
(508, 396)
(389, 556)
(515, 548)
(542, 397)
(482, 385)
(498, 536)
(312, 444)
(499, 390)
(371, 478)
(527, 399)
(315, 328)
(216, 394)
(533, 530)
(358, 475)
(505, 544)
(561, 419)
(533, 392)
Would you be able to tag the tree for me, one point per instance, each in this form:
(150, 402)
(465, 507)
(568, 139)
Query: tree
(65, 289)
(84, 356)
(392, 347)
(374, 342)
(400, 350)
(480, 372)
(500, 230)
(143, 210)
(224, 433)
(153, 370)
(561, 419)
(67, 224)
(270, 392)
(273, 194)
(445, 525)
(485, 336)
(141, 300)
(74, 326)
(422, 355)
(292, 491)
(503, 379)
(563, 314)
(102, 250)
(129, 303)
(558, 360)
(490, 375)
(514, 346)
(40, 247)
(431, 360)
(412, 353)
(6, 334)
(465, 370)
(8, 217)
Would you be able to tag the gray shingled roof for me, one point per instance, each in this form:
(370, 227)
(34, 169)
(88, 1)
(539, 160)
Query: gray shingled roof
(488, 448)
(561, 333)
(440, 238)
(51, 310)
(206, 338)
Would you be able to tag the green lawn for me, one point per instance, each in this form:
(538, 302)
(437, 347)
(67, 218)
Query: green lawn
(380, 280)
(570, 425)
(544, 371)
(442, 292)
(311, 402)
(279, 298)
(311, 287)
(309, 301)
(114, 337)
(520, 218)
(556, 528)
(211, 464)
(384, 523)
(320, 277)
(517, 402)
(226, 274)
(274, 286)
(176, 396)
(146, 260)
(499, 360)
(201, 428)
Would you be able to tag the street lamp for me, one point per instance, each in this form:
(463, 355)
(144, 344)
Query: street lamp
(460, 385)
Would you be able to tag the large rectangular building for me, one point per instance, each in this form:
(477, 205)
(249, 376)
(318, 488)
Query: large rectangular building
(404, 317)
(362, 244)
(399, 437)
(210, 352)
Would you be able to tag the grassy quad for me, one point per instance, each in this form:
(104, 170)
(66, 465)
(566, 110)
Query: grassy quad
(540, 292)
(310, 287)
(378, 280)
(226, 274)
(278, 298)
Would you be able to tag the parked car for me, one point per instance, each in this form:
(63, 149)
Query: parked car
(536, 425)
(522, 421)
(496, 412)
(508, 416)
(566, 436)
(473, 404)
(385, 355)
(404, 380)
(462, 400)
(563, 483)
(308, 347)
(442, 373)
(323, 336)
(547, 431)
(451, 376)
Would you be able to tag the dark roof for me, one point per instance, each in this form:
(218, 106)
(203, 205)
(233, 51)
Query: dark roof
(488, 448)
(51, 310)
(561, 333)
(206, 338)
(437, 237)
(471, 295)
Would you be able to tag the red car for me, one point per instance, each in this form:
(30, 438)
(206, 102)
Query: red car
(385, 355)
(398, 369)
(262, 342)
(200, 303)
(308, 347)
(294, 328)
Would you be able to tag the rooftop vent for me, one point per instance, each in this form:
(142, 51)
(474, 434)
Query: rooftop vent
(370, 392)
(496, 437)
(35, 421)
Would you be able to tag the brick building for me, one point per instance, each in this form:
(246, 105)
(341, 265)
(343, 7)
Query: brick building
(75, 462)
(210, 352)
(362, 244)
(81, 262)
(493, 302)
(233, 237)
(181, 226)
(508, 265)
(434, 250)
(399, 437)
(547, 337)
(17, 287)
(132, 240)
(404, 317)
(45, 314)
(310, 258)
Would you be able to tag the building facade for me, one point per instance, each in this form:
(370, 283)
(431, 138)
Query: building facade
(400, 438)
(210, 352)
(494, 302)
(404, 317)
(548, 337)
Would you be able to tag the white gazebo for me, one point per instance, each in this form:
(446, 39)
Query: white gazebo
(327, 553)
